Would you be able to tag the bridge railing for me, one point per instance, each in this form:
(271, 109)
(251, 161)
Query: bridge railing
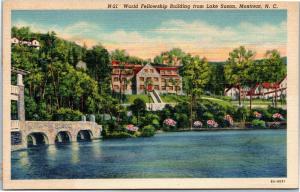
(14, 90)
(14, 125)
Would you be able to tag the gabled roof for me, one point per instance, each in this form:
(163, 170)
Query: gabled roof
(149, 65)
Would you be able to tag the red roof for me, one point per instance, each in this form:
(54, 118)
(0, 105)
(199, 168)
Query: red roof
(270, 85)
(137, 68)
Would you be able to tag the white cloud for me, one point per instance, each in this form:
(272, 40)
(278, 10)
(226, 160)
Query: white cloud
(194, 37)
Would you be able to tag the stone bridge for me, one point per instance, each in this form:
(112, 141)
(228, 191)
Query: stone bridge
(51, 132)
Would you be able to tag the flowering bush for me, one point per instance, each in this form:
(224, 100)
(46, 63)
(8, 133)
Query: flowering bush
(229, 119)
(212, 123)
(197, 124)
(277, 116)
(170, 122)
(257, 114)
(131, 127)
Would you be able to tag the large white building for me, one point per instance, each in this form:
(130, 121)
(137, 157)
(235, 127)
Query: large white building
(137, 79)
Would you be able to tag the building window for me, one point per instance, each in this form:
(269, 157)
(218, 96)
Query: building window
(169, 72)
(146, 70)
(151, 71)
(116, 71)
(116, 87)
(178, 88)
(162, 72)
(155, 78)
(124, 79)
(163, 88)
(156, 87)
(170, 88)
(116, 79)
(141, 78)
(142, 87)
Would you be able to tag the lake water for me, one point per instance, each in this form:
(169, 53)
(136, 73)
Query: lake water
(222, 154)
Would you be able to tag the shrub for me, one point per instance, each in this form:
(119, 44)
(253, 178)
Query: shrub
(256, 123)
(138, 107)
(119, 134)
(241, 113)
(148, 131)
(67, 114)
(208, 115)
(262, 114)
(182, 120)
(151, 119)
(228, 120)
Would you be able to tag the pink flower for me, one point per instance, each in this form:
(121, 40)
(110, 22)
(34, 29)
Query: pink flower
(212, 123)
(131, 127)
(277, 116)
(198, 124)
(170, 122)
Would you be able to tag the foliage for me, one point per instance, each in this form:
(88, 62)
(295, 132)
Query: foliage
(119, 134)
(229, 120)
(67, 114)
(138, 106)
(124, 57)
(99, 67)
(256, 123)
(151, 119)
(148, 131)
(196, 73)
(236, 69)
(241, 114)
(182, 120)
(54, 82)
(170, 57)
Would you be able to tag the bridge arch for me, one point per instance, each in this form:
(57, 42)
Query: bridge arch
(84, 135)
(37, 139)
(63, 137)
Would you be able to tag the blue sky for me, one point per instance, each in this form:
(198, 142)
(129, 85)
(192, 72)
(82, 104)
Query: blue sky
(145, 34)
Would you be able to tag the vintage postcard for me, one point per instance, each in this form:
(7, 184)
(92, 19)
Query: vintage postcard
(150, 94)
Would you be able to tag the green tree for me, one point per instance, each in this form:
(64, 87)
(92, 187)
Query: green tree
(99, 67)
(236, 68)
(172, 57)
(273, 69)
(138, 108)
(196, 76)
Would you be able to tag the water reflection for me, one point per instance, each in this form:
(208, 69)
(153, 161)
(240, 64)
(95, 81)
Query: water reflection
(96, 146)
(24, 160)
(52, 151)
(75, 153)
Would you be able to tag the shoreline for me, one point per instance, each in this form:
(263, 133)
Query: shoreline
(18, 148)
(227, 129)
